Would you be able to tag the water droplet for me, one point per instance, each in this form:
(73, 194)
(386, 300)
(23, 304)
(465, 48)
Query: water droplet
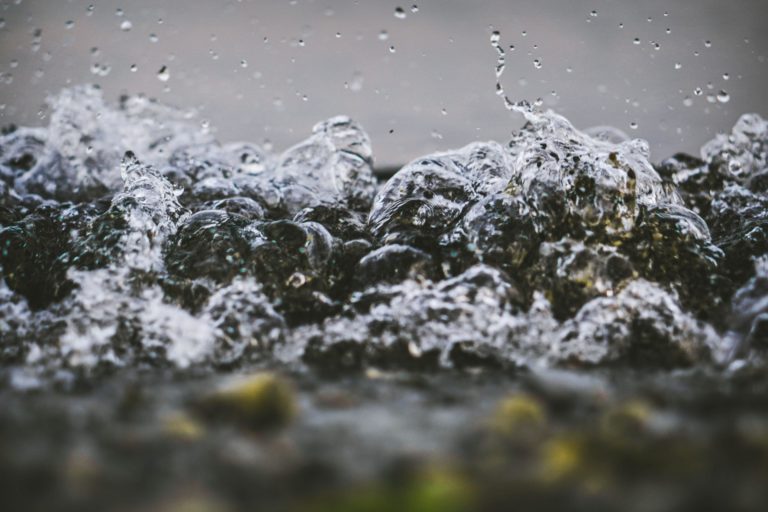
(89, 10)
(153, 38)
(495, 38)
(14, 64)
(688, 101)
(383, 35)
(723, 97)
(726, 76)
(621, 25)
(414, 8)
(392, 49)
(678, 65)
(100, 69)
(636, 40)
(134, 68)
(400, 13)
(338, 35)
(302, 43)
(119, 12)
(243, 63)
(633, 125)
(126, 25)
(524, 33)
(69, 24)
(444, 112)
(537, 63)
(668, 30)
(698, 92)
(708, 43)
(656, 46)
(163, 75)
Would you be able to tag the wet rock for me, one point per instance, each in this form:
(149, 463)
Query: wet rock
(259, 402)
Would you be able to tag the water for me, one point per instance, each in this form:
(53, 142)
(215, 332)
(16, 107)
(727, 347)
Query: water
(515, 254)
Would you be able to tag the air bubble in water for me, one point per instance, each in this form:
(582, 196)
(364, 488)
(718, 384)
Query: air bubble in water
(723, 97)
(126, 25)
(400, 13)
(163, 75)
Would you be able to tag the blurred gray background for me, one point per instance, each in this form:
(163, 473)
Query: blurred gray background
(267, 70)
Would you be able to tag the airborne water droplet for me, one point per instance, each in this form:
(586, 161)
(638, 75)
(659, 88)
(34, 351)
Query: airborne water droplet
(678, 65)
(392, 49)
(134, 68)
(593, 14)
(153, 38)
(400, 13)
(708, 43)
(726, 76)
(243, 63)
(69, 24)
(537, 63)
(383, 35)
(126, 26)
(723, 97)
(163, 75)
(636, 40)
(698, 92)
(633, 125)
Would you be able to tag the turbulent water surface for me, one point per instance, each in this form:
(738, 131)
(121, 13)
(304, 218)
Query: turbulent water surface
(547, 318)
